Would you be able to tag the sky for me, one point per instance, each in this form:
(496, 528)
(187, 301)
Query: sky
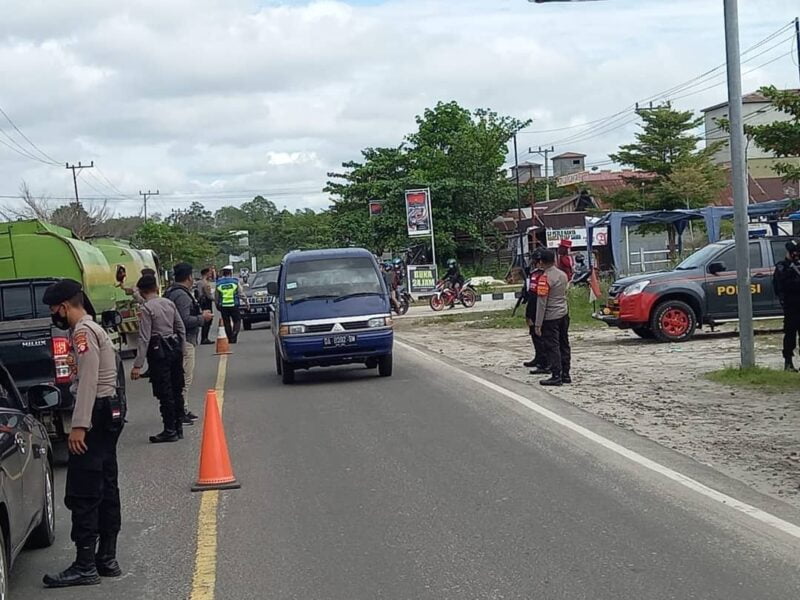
(217, 100)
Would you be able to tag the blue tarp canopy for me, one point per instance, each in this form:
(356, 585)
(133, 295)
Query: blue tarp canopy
(712, 215)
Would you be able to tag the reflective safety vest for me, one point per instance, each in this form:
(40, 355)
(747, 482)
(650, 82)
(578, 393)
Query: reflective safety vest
(228, 293)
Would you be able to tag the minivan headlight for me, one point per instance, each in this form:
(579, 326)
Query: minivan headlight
(379, 322)
(636, 288)
(295, 329)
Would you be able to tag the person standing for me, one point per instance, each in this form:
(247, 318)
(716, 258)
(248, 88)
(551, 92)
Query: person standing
(786, 282)
(205, 298)
(552, 319)
(193, 319)
(230, 297)
(92, 489)
(161, 339)
(565, 261)
(539, 361)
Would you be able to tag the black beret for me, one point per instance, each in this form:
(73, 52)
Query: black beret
(792, 246)
(64, 290)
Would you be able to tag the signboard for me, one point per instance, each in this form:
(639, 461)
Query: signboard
(418, 212)
(422, 278)
(375, 208)
(577, 235)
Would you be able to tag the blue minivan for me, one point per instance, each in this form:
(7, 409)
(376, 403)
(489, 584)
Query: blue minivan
(331, 308)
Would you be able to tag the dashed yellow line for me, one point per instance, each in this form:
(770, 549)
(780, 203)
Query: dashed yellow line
(205, 563)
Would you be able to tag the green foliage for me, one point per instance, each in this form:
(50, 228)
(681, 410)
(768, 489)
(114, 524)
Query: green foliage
(456, 153)
(781, 137)
(762, 378)
(172, 243)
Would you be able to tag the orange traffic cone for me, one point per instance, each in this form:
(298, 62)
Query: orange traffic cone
(222, 340)
(216, 472)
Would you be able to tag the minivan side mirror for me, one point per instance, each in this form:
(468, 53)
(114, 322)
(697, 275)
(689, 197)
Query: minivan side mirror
(43, 397)
(272, 288)
(716, 267)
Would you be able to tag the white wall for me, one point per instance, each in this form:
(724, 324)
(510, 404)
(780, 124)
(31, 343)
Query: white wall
(755, 113)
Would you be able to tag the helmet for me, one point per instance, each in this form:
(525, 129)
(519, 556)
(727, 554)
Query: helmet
(397, 262)
(451, 262)
(536, 255)
(792, 246)
(387, 264)
(579, 258)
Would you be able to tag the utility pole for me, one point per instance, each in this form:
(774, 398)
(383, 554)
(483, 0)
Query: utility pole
(146, 195)
(75, 168)
(545, 152)
(797, 39)
(739, 177)
(519, 202)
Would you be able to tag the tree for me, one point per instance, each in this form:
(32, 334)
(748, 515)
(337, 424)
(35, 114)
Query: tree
(173, 244)
(781, 137)
(195, 218)
(682, 175)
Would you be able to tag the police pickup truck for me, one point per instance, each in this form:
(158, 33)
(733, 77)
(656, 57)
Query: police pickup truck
(670, 305)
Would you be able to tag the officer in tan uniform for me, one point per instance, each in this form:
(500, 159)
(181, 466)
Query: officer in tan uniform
(92, 492)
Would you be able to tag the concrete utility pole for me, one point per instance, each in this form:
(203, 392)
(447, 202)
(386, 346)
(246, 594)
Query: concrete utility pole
(739, 177)
(75, 168)
(146, 195)
(545, 152)
(519, 202)
(797, 39)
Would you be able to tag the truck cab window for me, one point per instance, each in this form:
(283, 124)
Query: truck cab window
(729, 257)
(17, 303)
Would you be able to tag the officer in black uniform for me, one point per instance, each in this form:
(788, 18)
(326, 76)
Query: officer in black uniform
(786, 282)
(92, 492)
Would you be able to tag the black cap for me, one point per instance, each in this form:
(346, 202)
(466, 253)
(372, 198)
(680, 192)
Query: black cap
(63, 291)
(792, 246)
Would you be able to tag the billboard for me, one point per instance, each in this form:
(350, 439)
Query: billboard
(418, 212)
(577, 235)
(375, 208)
(421, 278)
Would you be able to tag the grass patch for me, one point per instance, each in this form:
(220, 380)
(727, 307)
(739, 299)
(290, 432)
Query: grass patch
(756, 377)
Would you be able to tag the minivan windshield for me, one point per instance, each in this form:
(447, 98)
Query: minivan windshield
(262, 278)
(331, 278)
(699, 258)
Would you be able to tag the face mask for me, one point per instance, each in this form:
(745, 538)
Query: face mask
(59, 321)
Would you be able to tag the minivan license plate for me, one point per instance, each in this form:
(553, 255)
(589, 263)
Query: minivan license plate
(338, 340)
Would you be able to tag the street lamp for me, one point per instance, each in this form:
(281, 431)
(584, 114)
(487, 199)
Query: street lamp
(738, 176)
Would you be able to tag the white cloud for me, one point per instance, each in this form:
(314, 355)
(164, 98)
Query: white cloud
(204, 96)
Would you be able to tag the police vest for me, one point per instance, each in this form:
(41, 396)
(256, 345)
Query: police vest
(227, 292)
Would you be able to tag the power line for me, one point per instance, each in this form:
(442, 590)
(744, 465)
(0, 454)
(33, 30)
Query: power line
(27, 139)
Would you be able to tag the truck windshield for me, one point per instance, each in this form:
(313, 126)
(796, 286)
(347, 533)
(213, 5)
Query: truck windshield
(331, 278)
(262, 279)
(700, 258)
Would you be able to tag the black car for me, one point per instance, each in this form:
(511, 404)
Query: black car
(27, 506)
(260, 300)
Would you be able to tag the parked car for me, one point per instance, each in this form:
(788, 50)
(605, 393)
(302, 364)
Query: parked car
(27, 500)
(700, 291)
(259, 297)
(332, 308)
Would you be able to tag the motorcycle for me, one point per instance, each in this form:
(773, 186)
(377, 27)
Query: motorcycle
(405, 300)
(444, 296)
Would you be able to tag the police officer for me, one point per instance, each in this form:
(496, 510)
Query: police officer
(230, 297)
(786, 282)
(162, 336)
(539, 361)
(92, 492)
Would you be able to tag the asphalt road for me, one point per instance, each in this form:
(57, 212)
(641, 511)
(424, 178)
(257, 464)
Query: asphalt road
(425, 485)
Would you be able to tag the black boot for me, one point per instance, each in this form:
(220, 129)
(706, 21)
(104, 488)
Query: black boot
(540, 370)
(82, 572)
(168, 435)
(530, 363)
(553, 380)
(106, 559)
(789, 366)
(565, 378)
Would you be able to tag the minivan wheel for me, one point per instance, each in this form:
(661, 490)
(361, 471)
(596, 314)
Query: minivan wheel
(673, 321)
(277, 360)
(385, 365)
(287, 372)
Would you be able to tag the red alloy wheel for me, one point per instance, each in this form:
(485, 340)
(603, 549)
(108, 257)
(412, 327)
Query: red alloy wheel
(675, 322)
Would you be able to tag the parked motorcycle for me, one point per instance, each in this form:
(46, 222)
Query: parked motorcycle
(445, 296)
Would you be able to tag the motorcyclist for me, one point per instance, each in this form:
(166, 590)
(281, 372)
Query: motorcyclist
(453, 277)
(391, 284)
(786, 282)
(399, 270)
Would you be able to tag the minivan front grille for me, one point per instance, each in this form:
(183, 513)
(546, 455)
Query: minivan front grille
(322, 328)
(355, 325)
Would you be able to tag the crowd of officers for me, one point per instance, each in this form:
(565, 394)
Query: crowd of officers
(170, 327)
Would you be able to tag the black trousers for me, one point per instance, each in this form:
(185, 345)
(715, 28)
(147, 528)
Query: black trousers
(539, 350)
(791, 331)
(92, 491)
(166, 377)
(206, 304)
(232, 320)
(555, 336)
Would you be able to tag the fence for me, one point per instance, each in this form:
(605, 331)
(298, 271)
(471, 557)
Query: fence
(645, 260)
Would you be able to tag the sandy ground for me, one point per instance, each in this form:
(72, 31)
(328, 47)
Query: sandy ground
(658, 390)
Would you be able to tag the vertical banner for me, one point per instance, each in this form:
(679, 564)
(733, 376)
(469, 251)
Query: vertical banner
(375, 208)
(418, 212)
(421, 279)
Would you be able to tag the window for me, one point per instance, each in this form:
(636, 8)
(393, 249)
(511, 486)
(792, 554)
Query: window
(263, 278)
(41, 309)
(729, 257)
(576, 161)
(17, 303)
(778, 250)
(331, 277)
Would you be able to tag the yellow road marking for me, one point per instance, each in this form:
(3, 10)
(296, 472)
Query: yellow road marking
(205, 563)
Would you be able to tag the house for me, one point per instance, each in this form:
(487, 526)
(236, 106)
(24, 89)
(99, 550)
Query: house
(756, 110)
(528, 171)
(568, 162)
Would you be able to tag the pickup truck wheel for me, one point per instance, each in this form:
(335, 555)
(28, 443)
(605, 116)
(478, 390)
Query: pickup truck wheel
(247, 325)
(45, 533)
(287, 372)
(673, 321)
(644, 332)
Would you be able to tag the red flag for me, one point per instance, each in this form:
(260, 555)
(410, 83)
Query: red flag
(594, 286)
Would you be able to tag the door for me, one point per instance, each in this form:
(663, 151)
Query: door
(777, 250)
(761, 280)
(14, 453)
(721, 291)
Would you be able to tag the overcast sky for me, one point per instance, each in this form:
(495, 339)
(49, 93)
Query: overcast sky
(199, 97)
